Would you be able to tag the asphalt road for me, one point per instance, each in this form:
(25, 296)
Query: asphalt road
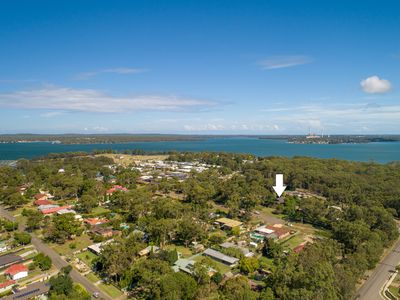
(56, 259)
(370, 290)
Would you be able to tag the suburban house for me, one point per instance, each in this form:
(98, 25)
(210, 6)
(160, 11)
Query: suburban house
(184, 265)
(116, 188)
(96, 248)
(279, 231)
(229, 224)
(275, 231)
(5, 286)
(9, 259)
(29, 292)
(3, 246)
(280, 200)
(66, 211)
(53, 210)
(219, 256)
(95, 221)
(197, 248)
(17, 271)
(105, 232)
(148, 250)
(41, 196)
(41, 202)
(47, 206)
(187, 266)
(246, 252)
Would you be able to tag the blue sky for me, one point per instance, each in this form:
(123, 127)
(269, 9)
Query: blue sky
(200, 67)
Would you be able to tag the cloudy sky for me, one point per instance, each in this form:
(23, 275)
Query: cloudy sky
(200, 67)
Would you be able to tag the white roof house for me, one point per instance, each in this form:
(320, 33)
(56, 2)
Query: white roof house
(264, 230)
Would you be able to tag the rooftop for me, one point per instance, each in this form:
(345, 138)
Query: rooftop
(32, 290)
(9, 259)
(15, 269)
(220, 256)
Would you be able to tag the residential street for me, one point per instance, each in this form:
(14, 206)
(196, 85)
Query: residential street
(372, 287)
(56, 259)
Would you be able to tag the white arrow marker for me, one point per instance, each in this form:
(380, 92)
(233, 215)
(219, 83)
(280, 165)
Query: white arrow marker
(279, 188)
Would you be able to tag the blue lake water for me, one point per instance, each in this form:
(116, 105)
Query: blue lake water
(379, 152)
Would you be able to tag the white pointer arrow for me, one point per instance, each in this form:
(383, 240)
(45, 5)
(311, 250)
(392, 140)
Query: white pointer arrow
(279, 188)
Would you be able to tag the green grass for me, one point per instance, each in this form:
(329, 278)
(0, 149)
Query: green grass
(3, 278)
(186, 252)
(80, 241)
(269, 211)
(97, 211)
(394, 290)
(92, 277)
(267, 262)
(293, 241)
(110, 290)
(87, 257)
(222, 268)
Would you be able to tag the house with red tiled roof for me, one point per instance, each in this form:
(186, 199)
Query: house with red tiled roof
(16, 271)
(116, 188)
(278, 231)
(55, 209)
(41, 196)
(95, 221)
(5, 286)
(43, 202)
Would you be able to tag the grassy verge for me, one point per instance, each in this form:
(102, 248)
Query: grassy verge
(92, 277)
(110, 290)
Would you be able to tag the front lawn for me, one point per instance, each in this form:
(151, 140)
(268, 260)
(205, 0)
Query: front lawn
(87, 257)
(186, 252)
(221, 267)
(69, 247)
(293, 241)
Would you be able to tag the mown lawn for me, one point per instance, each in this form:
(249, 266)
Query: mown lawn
(293, 241)
(111, 290)
(87, 257)
(98, 211)
(80, 242)
(186, 252)
(92, 277)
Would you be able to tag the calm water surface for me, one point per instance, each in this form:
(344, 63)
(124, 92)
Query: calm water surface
(379, 152)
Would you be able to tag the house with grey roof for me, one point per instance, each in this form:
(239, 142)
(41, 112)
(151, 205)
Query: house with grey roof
(9, 259)
(219, 256)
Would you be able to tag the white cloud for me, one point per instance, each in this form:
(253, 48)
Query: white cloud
(231, 127)
(338, 118)
(88, 75)
(375, 85)
(52, 114)
(280, 62)
(88, 100)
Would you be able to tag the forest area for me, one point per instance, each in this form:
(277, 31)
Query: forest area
(357, 210)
